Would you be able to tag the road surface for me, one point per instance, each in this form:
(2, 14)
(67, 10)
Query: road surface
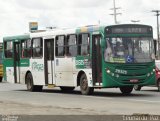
(16, 100)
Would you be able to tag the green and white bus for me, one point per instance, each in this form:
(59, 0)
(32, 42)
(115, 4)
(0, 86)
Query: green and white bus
(118, 56)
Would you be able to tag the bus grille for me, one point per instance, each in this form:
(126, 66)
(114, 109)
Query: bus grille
(134, 72)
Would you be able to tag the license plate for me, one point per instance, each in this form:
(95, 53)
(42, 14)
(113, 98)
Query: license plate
(134, 80)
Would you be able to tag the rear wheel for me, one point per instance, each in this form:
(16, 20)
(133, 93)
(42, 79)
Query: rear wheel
(67, 88)
(85, 89)
(30, 85)
(137, 87)
(126, 90)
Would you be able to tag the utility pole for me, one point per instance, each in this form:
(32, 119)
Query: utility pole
(158, 37)
(115, 12)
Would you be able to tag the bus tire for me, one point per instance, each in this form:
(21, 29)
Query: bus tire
(137, 87)
(126, 90)
(30, 85)
(66, 88)
(0, 79)
(158, 85)
(85, 89)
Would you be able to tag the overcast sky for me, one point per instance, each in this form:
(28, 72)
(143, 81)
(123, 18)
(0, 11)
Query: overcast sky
(16, 14)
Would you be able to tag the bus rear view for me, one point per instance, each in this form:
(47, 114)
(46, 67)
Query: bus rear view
(128, 57)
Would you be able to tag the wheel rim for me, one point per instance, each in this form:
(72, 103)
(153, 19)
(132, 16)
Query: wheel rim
(135, 87)
(84, 84)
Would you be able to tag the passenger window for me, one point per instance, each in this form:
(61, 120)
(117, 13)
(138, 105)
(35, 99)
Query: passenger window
(8, 48)
(83, 44)
(37, 45)
(60, 45)
(26, 49)
(71, 45)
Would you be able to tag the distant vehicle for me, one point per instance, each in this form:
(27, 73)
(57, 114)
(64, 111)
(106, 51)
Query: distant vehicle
(158, 74)
(157, 83)
(1, 65)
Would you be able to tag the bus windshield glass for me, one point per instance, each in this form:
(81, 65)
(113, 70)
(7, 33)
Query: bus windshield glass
(129, 50)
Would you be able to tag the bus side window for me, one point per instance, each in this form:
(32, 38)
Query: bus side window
(71, 45)
(23, 49)
(83, 44)
(60, 45)
(26, 49)
(37, 45)
(8, 46)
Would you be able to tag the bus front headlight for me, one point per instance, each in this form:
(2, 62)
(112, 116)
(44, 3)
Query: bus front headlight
(108, 71)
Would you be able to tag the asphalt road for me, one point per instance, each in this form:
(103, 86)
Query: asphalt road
(16, 100)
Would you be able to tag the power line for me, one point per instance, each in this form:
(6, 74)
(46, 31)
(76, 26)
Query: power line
(158, 37)
(115, 12)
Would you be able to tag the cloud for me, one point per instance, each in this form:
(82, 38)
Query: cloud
(16, 14)
(58, 4)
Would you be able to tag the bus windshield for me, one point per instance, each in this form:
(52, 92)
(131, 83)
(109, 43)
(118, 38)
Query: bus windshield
(129, 50)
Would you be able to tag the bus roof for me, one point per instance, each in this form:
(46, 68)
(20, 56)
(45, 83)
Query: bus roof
(118, 25)
(54, 32)
(17, 37)
(90, 28)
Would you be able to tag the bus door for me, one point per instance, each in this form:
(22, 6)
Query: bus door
(16, 63)
(49, 61)
(96, 59)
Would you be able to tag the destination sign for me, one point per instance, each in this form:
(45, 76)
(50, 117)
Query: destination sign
(129, 30)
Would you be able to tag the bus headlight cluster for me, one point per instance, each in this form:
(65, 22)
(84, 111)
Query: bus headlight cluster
(112, 74)
(115, 75)
(108, 71)
(149, 74)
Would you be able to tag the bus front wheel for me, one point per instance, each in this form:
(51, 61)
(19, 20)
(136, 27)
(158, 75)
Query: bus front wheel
(126, 90)
(158, 85)
(30, 85)
(85, 89)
